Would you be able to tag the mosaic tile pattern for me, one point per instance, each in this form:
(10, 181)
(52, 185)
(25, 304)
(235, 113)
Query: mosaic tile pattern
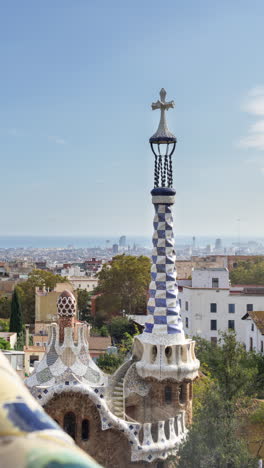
(29, 438)
(148, 450)
(163, 305)
(62, 360)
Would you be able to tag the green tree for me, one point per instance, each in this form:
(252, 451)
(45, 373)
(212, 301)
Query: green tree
(4, 344)
(5, 307)
(119, 326)
(4, 325)
(104, 331)
(21, 341)
(235, 369)
(248, 272)
(109, 362)
(16, 322)
(26, 289)
(84, 304)
(123, 285)
(212, 440)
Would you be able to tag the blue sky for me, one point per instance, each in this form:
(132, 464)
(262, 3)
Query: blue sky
(77, 81)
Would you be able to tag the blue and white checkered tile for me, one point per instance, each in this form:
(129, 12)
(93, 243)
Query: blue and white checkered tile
(163, 305)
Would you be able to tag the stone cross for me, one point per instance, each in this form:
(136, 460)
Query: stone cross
(162, 104)
(163, 131)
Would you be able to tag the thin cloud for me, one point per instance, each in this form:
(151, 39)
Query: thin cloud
(254, 105)
(253, 142)
(57, 140)
(254, 102)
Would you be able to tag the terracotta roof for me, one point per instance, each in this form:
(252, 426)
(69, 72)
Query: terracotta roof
(258, 319)
(99, 343)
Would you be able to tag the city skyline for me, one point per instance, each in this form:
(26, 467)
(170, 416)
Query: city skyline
(76, 116)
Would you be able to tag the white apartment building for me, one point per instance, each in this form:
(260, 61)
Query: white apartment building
(83, 282)
(209, 305)
(254, 323)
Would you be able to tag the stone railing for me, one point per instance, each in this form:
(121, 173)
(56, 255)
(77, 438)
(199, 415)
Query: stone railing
(149, 449)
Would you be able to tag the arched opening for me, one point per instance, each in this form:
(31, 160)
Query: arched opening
(190, 391)
(168, 353)
(69, 424)
(168, 394)
(154, 352)
(85, 429)
(181, 394)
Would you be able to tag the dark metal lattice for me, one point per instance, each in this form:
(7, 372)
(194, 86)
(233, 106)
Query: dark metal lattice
(163, 174)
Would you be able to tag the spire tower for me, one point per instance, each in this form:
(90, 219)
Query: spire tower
(162, 343)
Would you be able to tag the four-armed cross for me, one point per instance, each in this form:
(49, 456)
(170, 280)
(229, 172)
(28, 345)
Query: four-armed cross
(162, 104)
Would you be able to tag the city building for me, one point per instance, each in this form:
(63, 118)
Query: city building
(122, 241)
(83, 282)
(16, 360)
(45, 305)
(144, 408)
(115, 249)
(254, 323)
(92, 266)
(209, 305)
(218, 244)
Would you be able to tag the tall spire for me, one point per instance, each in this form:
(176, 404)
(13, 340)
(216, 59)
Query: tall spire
(162, 344)
(163, 305)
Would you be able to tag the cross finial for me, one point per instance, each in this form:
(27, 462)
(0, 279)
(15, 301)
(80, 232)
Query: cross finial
(162, 134)
(162, 104)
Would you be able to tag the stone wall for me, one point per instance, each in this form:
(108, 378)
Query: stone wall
(110, 448)
(164, 400)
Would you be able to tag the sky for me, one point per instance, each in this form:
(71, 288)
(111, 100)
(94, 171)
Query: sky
(77, 81)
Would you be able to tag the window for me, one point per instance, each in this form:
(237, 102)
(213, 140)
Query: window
(180, 302)
(215, 282)
(181, 394)
(69, 424)
(252, 327)
(213, 324)
(85, 429)
(186, 322)
(249, 307)
(168, 394)
(250, 344)
(231, 308)
(231, 324)
(186, 305)
(214, 340)
(213, 307)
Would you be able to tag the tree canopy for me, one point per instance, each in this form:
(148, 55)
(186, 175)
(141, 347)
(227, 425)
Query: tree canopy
(123, 285)
(212, 440)
(16, 321)
(84, 304)
(230, 376)
(235, 369)
(4, 344)
(119, 326)
(248, 272)
(26, 289)
(5, 307)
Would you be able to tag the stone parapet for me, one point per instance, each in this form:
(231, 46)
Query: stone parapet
(171, 361)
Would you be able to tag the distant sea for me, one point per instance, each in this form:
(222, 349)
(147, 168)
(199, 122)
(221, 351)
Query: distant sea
(34, 242)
